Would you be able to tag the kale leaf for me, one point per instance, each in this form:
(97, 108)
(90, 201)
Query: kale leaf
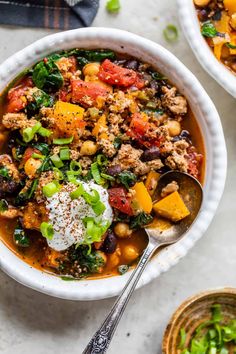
(208, 29)
(20, 237)
(140, 220)
(92, 261)
(40, 99)
(28, 194)
(3, 205)
(4, 172)
(117, 142)
(127, 178)
(46, 74)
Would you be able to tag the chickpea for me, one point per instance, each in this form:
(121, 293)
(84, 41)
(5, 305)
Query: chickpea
(130, 253)
(31, 167)
(174, 127)
(114, 258)
(88, 148)
(233, 21)
(104, 257)
(91, 69)
(122, 230)
(201, 3)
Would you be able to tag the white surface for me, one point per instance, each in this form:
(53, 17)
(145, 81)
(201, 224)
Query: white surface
(190, 25)
(32, 322)
(205, 114)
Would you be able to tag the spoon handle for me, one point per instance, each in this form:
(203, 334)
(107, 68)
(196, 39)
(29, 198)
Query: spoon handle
(102, 338)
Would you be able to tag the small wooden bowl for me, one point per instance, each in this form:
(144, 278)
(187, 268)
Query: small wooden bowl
(195, 311)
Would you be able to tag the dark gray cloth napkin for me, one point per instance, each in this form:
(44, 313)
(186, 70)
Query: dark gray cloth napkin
(60, 14)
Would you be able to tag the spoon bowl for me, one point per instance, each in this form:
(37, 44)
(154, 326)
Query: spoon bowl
(192, 194)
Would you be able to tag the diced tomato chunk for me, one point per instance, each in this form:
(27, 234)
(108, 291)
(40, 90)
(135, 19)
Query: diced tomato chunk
(73, 62)
(142, 131)
(194, 162)
(28, 153)
(16, 96)
(118, 199)
(116, 75)
(139, 83)
(63, 95)
(86, 93)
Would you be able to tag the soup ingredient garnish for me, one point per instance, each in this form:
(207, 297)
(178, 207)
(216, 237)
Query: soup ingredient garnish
(215, 336)
(172, 207)
(46, 75)
(3, 205)
(47, 230)
(113, 6)
(209, 30)
(127, 178)
(123, 268)
(141, 220)
(20, 237)
(78, 215)
(171, 33)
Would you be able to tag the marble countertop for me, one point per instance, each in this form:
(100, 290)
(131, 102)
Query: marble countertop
(35, 323)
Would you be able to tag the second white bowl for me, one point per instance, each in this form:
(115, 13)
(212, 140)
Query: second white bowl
(191, 28)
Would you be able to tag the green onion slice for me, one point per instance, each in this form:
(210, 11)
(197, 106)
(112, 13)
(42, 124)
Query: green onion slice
(113, 6)
(75, 167)
(63, 141)
(96, 173)
(44, 132)
(56, 161)
(108, 177)
(93, 198)
(94, 229)
(51, 188)
(38, 156)
(102, 160)
(47, 230)
(231, 46)
(29, 133)
(77, 193)
(98, 208)
(65, 153)
(58, 174)
(171, 33)
(72, 178)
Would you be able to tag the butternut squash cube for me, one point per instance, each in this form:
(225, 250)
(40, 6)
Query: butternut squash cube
(172, 207)
(142, 197)
(68, 118)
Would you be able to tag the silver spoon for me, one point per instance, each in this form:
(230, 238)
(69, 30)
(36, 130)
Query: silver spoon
(192, 193)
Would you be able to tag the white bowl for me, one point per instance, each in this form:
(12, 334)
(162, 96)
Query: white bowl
(207, 117)
(191, 28)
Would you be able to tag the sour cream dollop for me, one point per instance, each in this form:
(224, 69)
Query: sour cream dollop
(66, 215)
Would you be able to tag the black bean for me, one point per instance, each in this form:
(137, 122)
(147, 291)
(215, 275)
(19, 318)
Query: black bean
(184, 135)
(7, 186)
(151, 154)
(131, 64)
(120, 62)
(114, 170)
(110, 243)
(154, 85)
(217, 15)
(164, 169)
(203, 15)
